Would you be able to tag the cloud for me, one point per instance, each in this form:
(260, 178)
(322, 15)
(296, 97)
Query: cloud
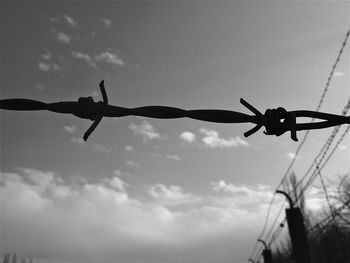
(62, 37)
(119, 173)
(188, 137)
(173, 157)
(101, 220)
(342, 147)
(244, 195)
(338, 74)
(92, 60)
(129, 148)
(70, 128)
(46, 67)
(70, 20)
(145, 130)
(132, 164)
(77, 140)
(110, 58)
(116, 183)
(39, 86)
(85, 57)
(65, 18)
(101, 148)
(106, 22)
(292, 156)
(212, 140)
(172, 195)
(46, 56)
(47, 64)
(316, 200)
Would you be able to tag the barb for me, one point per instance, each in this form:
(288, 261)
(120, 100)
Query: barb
(301, 145)
(276, 121)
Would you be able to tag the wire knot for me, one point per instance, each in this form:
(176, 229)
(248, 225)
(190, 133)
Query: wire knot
(86, 109)
(276, 121)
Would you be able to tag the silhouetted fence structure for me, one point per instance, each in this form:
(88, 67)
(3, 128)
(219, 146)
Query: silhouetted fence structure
(294, 216)
(12, 258)
(275, 121)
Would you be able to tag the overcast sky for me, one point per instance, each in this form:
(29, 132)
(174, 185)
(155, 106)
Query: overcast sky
(146, 190)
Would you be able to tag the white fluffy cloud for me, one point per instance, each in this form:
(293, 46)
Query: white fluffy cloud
(85, 57)
(173, 157)
(132, 163)
(46, 55)
(101, 148)
(65, 18)
(70, 128)
(116, 183)
(47, 66)
(62, 37)
(39, 86)
(106, 22)
(188, 137)
(338, 73)
(102, 221)
(145, 130)
(243, 195)
(316, 199)
(110, 58)
(129, 148)
(70, 20)
(92, 60)
(172, 195)
(292, 156)
(212, 139)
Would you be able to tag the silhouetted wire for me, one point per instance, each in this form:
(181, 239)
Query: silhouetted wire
(325, 149)
(303, 140)
(332, 71)
(319, 164)
(325, 191)
(346, 132)
(322, 152)
(281, 183)
(275, 234)
(333, 213)
(321, 225)
(327, 221)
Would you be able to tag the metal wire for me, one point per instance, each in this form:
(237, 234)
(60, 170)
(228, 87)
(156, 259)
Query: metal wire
(335, 212)
(306, 134)
(325, 191)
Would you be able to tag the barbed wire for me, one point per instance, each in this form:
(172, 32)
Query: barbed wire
(333, 70)
(325, 191)
(334, 213)
(323, 151)
(301, 144)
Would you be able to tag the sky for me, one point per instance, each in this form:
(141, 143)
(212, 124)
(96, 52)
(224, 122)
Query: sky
(148, 190)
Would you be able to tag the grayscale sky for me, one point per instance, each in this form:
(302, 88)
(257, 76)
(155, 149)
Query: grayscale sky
(147, 190)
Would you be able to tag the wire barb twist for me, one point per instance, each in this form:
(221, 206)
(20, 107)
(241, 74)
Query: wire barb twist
(276, 121)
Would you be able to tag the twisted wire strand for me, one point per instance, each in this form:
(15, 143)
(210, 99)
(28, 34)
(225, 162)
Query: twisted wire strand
(325, 192)
(306, 134)
(335, 212)
(333, 69)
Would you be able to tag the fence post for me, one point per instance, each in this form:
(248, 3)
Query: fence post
(267, 255)
(297, 232)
